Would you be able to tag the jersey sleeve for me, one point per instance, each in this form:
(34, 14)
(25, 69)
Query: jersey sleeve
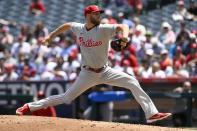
(76, 27)
(109, 29)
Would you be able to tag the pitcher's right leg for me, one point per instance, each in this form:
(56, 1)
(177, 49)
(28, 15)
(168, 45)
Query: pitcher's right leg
(84, 81)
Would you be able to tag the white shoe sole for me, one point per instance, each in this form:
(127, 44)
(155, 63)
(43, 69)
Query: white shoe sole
(162, 118)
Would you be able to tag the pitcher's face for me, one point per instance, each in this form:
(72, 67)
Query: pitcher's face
(95, 18)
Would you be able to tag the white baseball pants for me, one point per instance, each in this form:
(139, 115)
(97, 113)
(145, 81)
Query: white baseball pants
(88, 79)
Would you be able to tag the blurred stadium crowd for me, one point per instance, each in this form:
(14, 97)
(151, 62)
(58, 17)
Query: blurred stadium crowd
(166, 53)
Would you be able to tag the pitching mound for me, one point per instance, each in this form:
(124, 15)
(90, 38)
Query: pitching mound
(35, 123)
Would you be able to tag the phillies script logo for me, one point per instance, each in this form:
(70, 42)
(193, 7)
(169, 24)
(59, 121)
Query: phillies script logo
(89, 42)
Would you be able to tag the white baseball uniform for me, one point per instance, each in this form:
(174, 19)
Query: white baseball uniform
(94, 44)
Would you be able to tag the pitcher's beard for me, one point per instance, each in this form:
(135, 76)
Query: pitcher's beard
(94, 21)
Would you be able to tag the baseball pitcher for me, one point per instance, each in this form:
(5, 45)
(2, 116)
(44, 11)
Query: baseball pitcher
(93, 39)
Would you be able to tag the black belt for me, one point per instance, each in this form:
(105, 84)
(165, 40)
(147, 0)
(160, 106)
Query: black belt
(97, 70)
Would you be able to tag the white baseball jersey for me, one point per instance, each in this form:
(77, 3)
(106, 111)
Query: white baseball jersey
(94, 43)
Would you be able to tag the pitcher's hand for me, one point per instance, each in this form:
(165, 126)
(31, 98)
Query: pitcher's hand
(46, 40)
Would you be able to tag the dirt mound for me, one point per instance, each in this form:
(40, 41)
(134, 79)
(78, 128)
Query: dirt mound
(35, 123)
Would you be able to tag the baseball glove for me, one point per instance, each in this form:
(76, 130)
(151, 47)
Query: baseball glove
(119, 44)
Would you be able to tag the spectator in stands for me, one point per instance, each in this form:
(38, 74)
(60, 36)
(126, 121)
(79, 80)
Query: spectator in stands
(59, 74)
(180, 14)
(52, 69)
(138, 26)
(145, 69)
(156, 71)
(38, 50)
(8, 58)
(10, 74)
(58, 71)
(40, 30)
(71, 64)
(49, 111)
(108, 15)
(150, 56)
(36, 7)
(138, 40)
(157, 47)
(192, 57)
(148, 44)
(127, 68)
(42, 66)
(193, 9)
(25, 31)
(166, 35)
(191, 60)
(137, 6)
(20, 62)
(184, 34)
(20, 46)
(6, 39)
(179, 57)
(178, 70)
(30, 75)
(179, 42)
(142, 52)
(48, 68)
(187, 47)
(182, 31)
(180, 107)
(165, 60)
(28, 70)
(54, 46)
(67, 47)
(123, 20)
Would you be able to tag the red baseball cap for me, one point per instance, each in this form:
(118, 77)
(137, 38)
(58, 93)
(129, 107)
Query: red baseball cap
(91, 9)
(4, 29)
(180, 2)
(41, 94)
(194, 45)
(20, 37)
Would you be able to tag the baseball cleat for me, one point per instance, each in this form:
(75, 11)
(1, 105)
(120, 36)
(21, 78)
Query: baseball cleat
(157, 117)
(23, 110)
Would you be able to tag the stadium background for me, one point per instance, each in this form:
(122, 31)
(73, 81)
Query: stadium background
(154, 13)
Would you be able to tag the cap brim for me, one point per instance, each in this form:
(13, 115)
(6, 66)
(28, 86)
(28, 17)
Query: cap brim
(101, 11)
